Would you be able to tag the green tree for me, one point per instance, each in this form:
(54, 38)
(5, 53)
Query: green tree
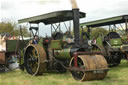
(95, 32)
(8, 26)
(25, 31)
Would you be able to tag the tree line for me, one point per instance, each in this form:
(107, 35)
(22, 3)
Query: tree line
(8, 26)
(95, 32)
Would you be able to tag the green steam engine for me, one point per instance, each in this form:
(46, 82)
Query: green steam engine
(63, 51)
(114, 45)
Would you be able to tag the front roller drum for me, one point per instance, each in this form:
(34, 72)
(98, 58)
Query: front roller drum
(34, 59)
(89, 67)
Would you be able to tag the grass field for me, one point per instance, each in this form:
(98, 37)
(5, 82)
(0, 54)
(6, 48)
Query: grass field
(116, 76)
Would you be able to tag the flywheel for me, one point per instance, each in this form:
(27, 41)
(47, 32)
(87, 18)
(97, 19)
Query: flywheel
(34, 59)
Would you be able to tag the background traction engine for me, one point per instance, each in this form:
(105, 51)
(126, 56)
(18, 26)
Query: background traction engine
(55, 54)
(114, 42)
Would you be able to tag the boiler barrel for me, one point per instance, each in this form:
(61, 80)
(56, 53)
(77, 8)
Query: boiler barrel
(62, 54)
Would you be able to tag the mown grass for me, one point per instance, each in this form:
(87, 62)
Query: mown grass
(116, 76)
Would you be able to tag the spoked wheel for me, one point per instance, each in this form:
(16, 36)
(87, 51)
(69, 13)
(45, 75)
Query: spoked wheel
(34, 60)
(77, 75)
(90, 63)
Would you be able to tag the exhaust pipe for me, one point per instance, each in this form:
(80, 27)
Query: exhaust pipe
(75, 11)
(76, 25)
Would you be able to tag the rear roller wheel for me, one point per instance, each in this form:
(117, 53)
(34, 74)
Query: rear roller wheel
(89, 62)
(34, 60)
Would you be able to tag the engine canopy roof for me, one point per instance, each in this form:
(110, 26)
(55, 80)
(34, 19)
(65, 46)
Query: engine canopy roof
(107, 21)
(53, 17)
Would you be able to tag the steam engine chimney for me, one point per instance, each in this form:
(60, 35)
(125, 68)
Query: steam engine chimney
(75, 11)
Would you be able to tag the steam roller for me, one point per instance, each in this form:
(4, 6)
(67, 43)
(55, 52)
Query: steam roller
(82, 66)
(63, 51)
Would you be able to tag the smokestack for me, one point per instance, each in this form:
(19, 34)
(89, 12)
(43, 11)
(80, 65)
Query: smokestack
(76, 24)
(75, 12)
(74, 4)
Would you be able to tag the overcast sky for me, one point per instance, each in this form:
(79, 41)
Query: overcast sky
(94, 9)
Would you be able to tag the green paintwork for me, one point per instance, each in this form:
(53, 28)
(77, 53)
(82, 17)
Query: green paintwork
(107, 21)
(53, 17)
(116, 47)
(64, 53)
(99, 41)
(56, 44)
(116, 42)
(24, 43)
(12, 45)
(22, 57)
(124, 39)
(40, 42)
